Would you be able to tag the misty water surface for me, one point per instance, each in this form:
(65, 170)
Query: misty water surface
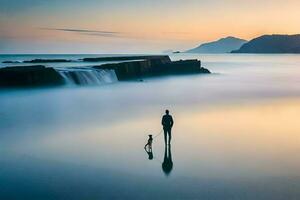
(236, 135)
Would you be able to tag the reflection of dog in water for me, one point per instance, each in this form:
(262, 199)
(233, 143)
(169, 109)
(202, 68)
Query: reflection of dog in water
(149, 143)
(148, 147)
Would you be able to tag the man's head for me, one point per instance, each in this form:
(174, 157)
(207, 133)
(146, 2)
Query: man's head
(167, 112)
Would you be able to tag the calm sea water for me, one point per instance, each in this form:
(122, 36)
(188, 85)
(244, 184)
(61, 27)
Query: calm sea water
(236, 134)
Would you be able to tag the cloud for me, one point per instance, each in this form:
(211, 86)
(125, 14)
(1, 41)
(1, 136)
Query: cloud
(101, 33)
(111, 34)
(82, 30)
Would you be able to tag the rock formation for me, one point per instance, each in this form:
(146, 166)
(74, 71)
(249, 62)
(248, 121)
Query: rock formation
(37, 75)
(150, 68)
(136, 67)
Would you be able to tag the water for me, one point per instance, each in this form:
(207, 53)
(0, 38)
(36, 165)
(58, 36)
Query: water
(236, 135)
(87, 76)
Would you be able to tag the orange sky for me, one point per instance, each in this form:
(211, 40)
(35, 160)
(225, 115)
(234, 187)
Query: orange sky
(100, 26)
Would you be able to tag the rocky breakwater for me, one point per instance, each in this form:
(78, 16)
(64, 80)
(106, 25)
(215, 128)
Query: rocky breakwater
(39, 61)
(26, 76)
(154, 66)
(157, 59)
(123, 68)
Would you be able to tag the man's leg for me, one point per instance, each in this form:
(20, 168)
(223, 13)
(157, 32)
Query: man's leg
(165, 133)
(170, 135)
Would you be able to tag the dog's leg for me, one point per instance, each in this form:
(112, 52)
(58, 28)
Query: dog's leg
(146, 146)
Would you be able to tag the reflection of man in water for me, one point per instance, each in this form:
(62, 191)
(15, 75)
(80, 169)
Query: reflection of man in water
(167, 122)
(167, 165)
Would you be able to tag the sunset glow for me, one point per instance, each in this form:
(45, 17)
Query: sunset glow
(30, 26)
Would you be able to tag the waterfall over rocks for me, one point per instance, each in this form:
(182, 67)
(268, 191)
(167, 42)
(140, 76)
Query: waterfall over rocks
(87, 76)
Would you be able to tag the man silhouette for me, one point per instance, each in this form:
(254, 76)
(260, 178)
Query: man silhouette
(167, 122)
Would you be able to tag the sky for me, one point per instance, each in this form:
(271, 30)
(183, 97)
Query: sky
(137, 26)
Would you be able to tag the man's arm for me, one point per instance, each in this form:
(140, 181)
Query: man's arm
(172, 122)
(163, 121)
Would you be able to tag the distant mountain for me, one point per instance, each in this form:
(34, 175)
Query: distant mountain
(272, 44)
(223, 45)
(168, 51)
